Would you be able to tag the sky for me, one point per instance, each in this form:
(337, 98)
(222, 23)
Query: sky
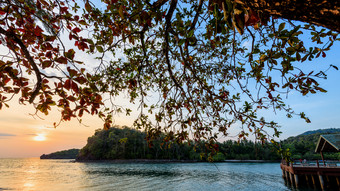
(22, 135)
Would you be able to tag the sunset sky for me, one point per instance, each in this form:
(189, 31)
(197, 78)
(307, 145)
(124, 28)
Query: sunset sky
(22, 135)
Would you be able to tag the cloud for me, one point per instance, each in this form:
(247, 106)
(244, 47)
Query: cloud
(5, 135)
(16, 119)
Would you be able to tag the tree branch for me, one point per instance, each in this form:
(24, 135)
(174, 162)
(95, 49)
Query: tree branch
(319, 12)
(168, 17)
(13, 36)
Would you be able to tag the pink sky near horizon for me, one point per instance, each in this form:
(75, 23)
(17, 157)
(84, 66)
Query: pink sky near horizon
(18, 129)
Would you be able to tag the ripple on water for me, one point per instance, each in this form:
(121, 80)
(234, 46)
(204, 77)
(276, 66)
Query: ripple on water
(35, 174)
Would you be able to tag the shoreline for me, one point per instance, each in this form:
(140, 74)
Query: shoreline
(251, 161)
(171, 161)
(137, 161)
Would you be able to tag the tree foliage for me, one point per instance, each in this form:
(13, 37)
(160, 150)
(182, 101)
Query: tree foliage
(211, 64)
(65, 154)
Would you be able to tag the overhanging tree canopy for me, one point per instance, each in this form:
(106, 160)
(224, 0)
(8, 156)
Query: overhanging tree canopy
(211, 64)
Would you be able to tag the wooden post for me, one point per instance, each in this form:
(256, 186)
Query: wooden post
(307, 180)
(322, 182)
(327, 180)
(287, 176)
(313, 181)
(283, 174)
(323, 160)
(296, 180)
(291, 178)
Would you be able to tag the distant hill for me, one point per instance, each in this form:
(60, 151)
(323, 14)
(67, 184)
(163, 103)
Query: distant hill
(322, 131)
(303, 145)
(66, 154)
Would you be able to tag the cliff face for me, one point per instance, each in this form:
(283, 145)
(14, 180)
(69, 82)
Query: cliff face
(66, 154)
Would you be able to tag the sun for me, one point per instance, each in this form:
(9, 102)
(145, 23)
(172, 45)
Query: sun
(39, 137)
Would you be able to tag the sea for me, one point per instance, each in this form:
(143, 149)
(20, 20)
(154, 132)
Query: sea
(47, 175)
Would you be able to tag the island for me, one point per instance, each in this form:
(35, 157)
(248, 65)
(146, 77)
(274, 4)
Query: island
(123, 143)
(126, 144)
(65, 154)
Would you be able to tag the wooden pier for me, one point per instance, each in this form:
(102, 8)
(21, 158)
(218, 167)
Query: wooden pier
(312, 174)
(322, 174)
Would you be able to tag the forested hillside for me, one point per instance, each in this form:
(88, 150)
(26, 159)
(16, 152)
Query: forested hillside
(322, 131)
(126, 143)
(66, 154)
(303, 146)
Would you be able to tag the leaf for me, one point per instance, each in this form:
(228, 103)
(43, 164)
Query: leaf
(72, 72)
(238, 20)
(298, 56)
(61, 60)
(100, 49)
(74, 87)
(321, 89)
(70, 54)
(38, 31)
(120, 11)
(76, 30)
(282, 26)
(46, 64)
(88, 7)
(335, 67)
(67, 84)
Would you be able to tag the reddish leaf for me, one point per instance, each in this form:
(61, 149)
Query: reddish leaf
(38, 31)
(81, 113)
(48, 54)
(88, 7)
(76, 30)
(253, 18)
(63, 9)
(2, 12)
(61, 60)
(67, 84)
(22, 30)
(6, 80)
(75, 87)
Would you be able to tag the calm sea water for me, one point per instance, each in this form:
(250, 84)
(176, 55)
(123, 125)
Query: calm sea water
(36, 174)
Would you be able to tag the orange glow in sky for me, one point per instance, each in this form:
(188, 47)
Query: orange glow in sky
(39, 137)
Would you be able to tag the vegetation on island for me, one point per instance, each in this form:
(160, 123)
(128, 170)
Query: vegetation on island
(127, 143)
(65, 154)
(208, 64)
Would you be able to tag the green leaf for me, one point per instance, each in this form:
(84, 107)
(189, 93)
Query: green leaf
(282, 26)
(100, 49)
